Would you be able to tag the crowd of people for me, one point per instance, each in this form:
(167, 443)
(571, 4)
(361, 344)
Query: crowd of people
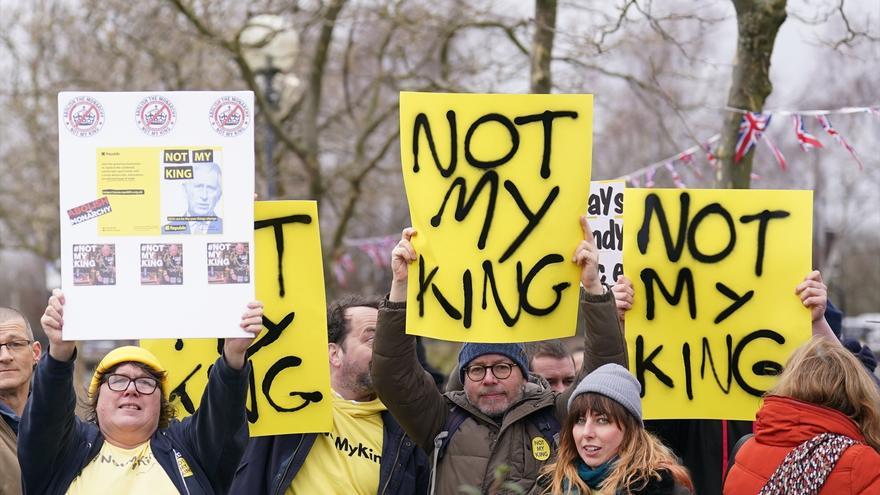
(512, 418)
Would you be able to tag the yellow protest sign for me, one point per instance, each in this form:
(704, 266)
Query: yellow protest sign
(715, 314)
(290, 380)
(496, 185)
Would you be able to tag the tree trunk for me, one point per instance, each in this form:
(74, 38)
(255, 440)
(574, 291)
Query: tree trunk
(542, 46)
(758, 21)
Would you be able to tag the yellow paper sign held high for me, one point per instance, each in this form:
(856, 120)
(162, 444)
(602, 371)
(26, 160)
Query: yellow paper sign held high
(496, 185)
(715, 314)
(290, 386)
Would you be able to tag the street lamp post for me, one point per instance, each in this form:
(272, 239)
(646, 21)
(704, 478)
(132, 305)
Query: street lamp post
(268, 74)
(269, 46)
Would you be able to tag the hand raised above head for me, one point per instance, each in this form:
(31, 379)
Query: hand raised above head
(402, 256)
(235, 349)
(586, 256)
(52, 322)
(814, 294)
(623, 295)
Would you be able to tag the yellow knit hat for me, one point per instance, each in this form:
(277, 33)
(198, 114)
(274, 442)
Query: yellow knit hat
(128, 353)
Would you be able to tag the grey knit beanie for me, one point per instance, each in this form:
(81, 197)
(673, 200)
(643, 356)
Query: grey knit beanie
(615, 382)
(471, 351)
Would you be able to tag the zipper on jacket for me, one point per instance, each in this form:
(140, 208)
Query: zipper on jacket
(393, 466)
(179, 470)
(280, 489)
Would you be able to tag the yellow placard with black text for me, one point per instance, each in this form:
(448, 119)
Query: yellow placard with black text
(290, 381)
(715, 314)
(496, 185)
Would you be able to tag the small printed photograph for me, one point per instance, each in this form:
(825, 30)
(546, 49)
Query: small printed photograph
(161, 264)
(228, 263)
(192, 192)
(94, 264)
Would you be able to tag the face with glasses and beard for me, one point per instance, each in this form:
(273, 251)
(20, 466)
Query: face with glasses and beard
(493, 396)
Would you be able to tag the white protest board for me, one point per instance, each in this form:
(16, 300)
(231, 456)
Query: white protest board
(156, 200)
(605, 215)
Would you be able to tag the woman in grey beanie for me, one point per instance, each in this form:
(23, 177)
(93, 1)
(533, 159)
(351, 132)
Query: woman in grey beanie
(604, 447)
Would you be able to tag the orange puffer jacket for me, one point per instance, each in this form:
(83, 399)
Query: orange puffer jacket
(784, 423)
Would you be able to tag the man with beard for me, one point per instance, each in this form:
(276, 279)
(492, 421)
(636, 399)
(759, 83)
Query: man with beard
(499, 432)
(347, 459)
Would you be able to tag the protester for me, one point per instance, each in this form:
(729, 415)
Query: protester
(549, 360)
(502, 422)
(604, 446)
(130, 444)
(379, 457)
(705, 446)
(19, 353)
(818, 431)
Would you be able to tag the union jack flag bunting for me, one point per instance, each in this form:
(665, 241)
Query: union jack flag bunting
(776, 153)
(805, 139)
(710, 157)
(751, 128)
(826, 124)
(649, 177)
(676, 179)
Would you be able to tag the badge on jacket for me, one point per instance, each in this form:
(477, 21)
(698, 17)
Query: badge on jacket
(182, 465)
(540, 449)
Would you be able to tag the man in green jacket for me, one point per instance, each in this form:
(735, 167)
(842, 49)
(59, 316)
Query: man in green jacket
(499, 422)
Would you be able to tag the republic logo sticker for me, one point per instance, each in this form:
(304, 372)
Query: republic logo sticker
(84, 116)
(156, 115)
(229, 116)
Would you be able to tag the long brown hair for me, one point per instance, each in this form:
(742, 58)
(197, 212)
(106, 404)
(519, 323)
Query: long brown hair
(824, 372)
(641, 456)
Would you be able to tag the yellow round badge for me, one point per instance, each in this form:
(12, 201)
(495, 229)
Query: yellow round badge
(540, 449)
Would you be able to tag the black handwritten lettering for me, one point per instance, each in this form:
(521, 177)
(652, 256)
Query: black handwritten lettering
(546, 119)
(514, 141)
(738, 301)
(532, 220)
(707, 352)
(684, 282)
(704, 212)
(653, 206)
(277, 224)
(421, 123)
(463, 206)
(763, 219)
(757, 334)
(643, 365)
(179, 392)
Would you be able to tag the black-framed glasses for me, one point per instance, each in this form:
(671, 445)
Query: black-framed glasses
(16, 345)
(499, 371)
(143, 384)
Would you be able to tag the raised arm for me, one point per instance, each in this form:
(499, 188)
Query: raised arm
(400, 381)
(814, 295)
(217, 432)
(48, 427)
(603, 339)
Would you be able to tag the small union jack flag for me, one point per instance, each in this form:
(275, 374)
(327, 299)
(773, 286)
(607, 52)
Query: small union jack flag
(776, 153)
(676, 179)
(649, 177)
(751, 128)
(805, 139)
(826, 124)
(710, 156)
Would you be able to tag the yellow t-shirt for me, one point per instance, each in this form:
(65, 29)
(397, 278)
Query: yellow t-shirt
(117, 470)
(346, 460)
